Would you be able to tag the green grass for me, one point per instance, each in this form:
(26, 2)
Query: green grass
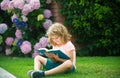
(87, 67)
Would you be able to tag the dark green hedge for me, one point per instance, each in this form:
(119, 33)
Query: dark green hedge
(96, 22)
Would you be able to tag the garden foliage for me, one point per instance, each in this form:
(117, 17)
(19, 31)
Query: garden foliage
(96, 23)
(23, 26)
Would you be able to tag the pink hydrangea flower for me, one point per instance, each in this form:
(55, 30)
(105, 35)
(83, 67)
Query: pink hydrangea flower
(43, 42)
(37, 46)
(35, 4)
(26, 47)
(9, 41)
(4, 4)
(35, 53)
(8, 51)
(47, 24)
(47, 13)
(18, 34)
(26, 9)
(19, 4)
(11, 5)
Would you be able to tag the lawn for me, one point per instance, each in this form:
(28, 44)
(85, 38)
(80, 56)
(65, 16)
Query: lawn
(87, 67)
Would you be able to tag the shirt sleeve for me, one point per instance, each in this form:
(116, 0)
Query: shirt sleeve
(70, 46)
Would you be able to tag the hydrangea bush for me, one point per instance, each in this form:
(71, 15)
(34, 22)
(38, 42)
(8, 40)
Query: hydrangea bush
(23, 13)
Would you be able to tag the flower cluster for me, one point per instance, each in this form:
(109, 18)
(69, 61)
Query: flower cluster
(25, 6)
(47, 13)
(18, 34)
(43, 42)
(47, 23)
(20, 9)
(9, 41)
(8, 51)
(26, 47)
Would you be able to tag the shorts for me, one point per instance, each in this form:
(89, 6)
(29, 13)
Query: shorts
(50, 64)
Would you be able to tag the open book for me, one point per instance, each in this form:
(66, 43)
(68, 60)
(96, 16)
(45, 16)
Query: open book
(58, 52)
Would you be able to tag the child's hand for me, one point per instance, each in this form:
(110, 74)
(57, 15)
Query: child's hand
(52, 56)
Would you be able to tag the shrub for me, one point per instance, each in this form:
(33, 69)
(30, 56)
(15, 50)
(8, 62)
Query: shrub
(25, 24)
(96, 23)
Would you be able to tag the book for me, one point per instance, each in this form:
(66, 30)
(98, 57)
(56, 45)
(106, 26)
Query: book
(55, 51)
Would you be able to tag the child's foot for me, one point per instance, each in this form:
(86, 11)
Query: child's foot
(37, 74)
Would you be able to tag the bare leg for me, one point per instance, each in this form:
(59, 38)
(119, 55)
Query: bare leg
(38, 62)
(67, 65)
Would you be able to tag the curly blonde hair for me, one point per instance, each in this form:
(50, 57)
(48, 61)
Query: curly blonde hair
(58, 30)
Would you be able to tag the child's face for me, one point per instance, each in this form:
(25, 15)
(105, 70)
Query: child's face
(56, 39)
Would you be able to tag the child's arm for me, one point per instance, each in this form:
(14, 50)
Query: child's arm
(71, 55)
(58, 59)
(55, 57)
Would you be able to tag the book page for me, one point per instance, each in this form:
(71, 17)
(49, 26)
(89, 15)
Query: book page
(43, 49)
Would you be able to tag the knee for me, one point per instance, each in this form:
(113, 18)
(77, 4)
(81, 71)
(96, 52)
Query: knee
(37, 57)
(69, 64)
